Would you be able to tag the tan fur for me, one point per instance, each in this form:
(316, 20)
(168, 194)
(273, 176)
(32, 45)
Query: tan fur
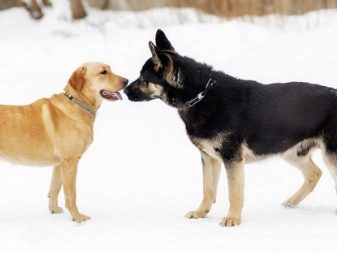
(209, 146)
(56, 132)
(308, 168)
(299, 156)
(151, 88)
(235, 178)
(169, 70)
(311, 174)
(250, 156)
(331, 162)
(211, 171)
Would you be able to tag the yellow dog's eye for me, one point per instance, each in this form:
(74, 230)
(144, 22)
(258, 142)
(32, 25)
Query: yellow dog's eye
(103, 72)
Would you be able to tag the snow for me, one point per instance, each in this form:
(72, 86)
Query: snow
(142, 174)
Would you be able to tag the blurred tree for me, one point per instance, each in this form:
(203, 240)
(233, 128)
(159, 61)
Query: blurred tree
(100, 4)
(77, 9)
(47, 3)
(35, 10)
(226, 8)
(6, 4)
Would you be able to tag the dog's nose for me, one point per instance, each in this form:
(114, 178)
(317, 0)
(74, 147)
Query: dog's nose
(125, 82)
(126, 90)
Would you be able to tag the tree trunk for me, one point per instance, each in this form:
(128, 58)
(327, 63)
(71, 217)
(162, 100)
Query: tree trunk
(35, 10)
(46, 2)
(77, 9)
(6, 4)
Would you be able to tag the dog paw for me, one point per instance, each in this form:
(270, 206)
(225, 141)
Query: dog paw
(56, 210)
(195, 215)
(230, 222)
(288, 204)
(80, 218)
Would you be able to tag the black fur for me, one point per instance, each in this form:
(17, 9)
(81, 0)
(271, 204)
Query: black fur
(269, 119)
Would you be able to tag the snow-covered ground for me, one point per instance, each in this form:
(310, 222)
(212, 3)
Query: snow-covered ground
(141, 175)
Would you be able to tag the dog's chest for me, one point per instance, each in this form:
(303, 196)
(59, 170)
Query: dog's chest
(203, 123)
(210, 146)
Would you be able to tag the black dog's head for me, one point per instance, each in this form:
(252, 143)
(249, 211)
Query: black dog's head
(163, 75)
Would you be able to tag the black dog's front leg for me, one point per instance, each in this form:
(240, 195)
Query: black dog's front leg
(235, 178)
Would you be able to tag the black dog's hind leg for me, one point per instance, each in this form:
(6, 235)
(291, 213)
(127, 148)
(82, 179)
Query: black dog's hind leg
(330, 158)
(330, 149)
(211, 171)
(311, 174)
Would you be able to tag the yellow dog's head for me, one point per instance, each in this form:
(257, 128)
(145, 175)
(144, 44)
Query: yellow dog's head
(94, 81)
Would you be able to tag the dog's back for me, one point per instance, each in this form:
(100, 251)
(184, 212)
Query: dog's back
(25, 134)
(277, 116)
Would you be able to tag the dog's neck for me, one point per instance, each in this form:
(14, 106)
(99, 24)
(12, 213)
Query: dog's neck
(210, 83)
(183, 100)
(82, 100)
(82, 105)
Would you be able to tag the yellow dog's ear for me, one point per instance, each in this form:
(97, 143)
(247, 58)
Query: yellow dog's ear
(77, 79)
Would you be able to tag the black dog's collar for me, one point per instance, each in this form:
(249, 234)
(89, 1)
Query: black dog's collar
(81, 104)
(202, 94)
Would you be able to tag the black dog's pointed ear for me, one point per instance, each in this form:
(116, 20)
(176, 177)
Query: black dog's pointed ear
(162, 42)
(155, 53)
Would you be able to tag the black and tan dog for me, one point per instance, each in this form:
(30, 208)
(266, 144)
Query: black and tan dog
(237, 121)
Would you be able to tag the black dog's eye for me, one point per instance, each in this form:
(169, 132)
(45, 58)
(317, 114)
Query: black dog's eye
(103, 72)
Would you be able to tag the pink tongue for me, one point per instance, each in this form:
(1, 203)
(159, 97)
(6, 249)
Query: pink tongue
(116, 95)
(111, 95)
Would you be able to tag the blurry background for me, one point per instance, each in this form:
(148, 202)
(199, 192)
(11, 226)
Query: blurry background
(225, 8)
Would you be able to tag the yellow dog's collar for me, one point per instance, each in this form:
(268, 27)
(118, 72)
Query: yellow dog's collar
(84, 106)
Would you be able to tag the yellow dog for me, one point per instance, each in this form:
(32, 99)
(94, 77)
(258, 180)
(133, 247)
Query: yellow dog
(56, 131)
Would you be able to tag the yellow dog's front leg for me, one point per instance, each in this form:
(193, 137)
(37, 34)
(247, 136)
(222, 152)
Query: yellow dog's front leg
(69, 171)
(55, 187)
